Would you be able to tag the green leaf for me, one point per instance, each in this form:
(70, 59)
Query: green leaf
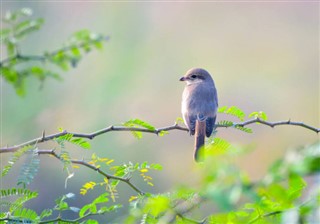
(26, 27)
(244, 129)
(16, 156)
(46, 213)
(18, 192)
(26, 215)
(296, 186)
(162, 133)
(103, 198)
(157, 205)
(98, 45)
(9, 74)
(233, 110)
(179, 120)
(225, 123)
(65, 158)
(217, 146)
(29, 169)
(139, 123)
(11, 46)
(5, 34)
(81, 142)
(156, 166)
(76, 141)
(92, 208)
(262, 115)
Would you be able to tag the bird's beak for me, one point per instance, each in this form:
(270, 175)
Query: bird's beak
(183, 79)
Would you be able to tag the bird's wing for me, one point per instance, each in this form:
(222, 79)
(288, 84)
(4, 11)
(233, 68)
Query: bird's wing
(190, 121)
(210, 125)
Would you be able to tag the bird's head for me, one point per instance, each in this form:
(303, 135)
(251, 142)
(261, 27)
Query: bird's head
(196, 76)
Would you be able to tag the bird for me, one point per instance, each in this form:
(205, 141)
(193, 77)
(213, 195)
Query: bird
(199, 106)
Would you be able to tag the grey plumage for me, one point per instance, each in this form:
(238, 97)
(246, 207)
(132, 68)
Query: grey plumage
(199, 103)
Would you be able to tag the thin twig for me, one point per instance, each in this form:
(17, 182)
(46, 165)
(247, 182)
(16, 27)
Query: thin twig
(278, 123)
(90, 166)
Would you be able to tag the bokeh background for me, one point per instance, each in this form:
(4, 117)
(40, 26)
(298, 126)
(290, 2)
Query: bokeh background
(263, 56)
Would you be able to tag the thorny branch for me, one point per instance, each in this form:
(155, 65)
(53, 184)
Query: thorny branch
(176, 126)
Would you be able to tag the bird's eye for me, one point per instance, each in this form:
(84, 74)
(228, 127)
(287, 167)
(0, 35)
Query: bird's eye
(193, 76)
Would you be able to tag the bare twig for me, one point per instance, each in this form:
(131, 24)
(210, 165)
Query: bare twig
(176, 126)
(95, 168)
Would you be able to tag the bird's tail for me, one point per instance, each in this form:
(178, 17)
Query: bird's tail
(200, 133)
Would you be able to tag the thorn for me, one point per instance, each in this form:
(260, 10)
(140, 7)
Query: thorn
(43, 135)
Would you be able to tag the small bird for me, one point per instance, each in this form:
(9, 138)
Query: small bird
(199, 105)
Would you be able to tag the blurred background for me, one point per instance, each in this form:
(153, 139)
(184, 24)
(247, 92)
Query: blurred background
(263, 57)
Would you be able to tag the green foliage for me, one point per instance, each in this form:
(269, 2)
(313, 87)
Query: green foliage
(261, 115)
(17, 213)
(238, 113)
(244, 129)
(19, 25)
(29, 169)
(225, 123)
(15, 157)
(61, 140)
(92, 207)
(12, 200)
(122, 171)
(233, 111)
(61, 204)
(137, 123)
(228, 189)
(25, 215)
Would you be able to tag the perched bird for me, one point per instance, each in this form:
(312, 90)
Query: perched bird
(199, 105)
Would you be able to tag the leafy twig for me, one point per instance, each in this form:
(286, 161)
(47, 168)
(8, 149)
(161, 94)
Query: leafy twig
(47, 56)
(56, 220)
(278, 123)
(95, 168)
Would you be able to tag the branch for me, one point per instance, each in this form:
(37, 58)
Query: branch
(42, 58)
(92, 135)
(56, 220)
(90, 166)
(176, 126)
(278, 123)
